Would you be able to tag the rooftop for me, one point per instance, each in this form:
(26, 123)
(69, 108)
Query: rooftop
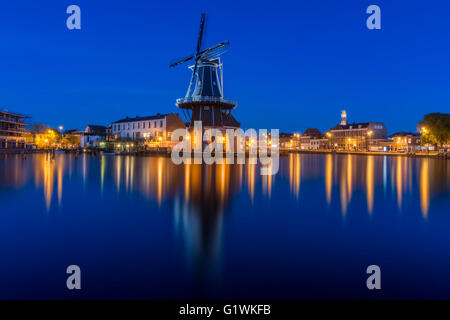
(312, 132)
(352, 126)
(404, 134)
(13, 114)
(137, 118)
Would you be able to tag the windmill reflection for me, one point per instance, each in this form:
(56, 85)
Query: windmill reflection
(208, 191)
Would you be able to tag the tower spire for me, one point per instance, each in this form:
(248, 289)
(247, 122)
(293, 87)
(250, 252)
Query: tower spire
(343, 118)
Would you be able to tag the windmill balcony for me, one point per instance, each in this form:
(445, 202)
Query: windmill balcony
(189, 103)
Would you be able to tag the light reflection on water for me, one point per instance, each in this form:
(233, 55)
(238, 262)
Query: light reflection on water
(158, 179)
(199, 197)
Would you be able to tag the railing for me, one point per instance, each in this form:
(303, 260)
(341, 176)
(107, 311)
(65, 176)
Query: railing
(5, 113)
(206, 99)
(12, 120)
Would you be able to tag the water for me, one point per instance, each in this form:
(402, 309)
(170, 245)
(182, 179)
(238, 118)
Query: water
(142, 227)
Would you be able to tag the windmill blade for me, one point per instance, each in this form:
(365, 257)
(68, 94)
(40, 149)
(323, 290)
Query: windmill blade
(200, 33)
(197, 54)
(215, 51)
(194, 71)
(198, 48)
(177, 62)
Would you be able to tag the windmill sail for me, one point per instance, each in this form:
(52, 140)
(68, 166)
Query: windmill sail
(207, 103)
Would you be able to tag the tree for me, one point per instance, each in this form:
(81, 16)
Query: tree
(435, 128)
(39, 128)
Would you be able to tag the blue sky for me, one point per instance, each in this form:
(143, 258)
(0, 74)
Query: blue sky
(291, 64)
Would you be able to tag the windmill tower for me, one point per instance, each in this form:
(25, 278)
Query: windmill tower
(206, 102)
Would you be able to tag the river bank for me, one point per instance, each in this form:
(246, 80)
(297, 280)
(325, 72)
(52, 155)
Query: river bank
(165, 152)
(433, 154)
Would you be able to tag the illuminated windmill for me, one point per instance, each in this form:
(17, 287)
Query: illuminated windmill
(206, 103)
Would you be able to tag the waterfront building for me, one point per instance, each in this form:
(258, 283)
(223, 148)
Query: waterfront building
(159, 126)
(318, 144)
(406, 141)
(286, 141)
(355, 136)
(109, 133)
(312, 139)
(95, 130)
(12, 130)
(92, 135)
(380, 145)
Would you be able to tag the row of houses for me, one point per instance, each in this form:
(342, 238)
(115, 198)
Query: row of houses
(367, 136)
(150, 128)
(14, 131)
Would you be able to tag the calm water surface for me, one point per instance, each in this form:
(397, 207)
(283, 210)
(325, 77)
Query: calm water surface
(142, 227)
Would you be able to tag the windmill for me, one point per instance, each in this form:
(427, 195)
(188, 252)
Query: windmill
(206, 102)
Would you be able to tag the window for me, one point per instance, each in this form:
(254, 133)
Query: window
(161, 124)
(139, 125)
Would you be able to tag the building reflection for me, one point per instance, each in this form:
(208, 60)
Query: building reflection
(60, 168)
(267, 181)
(48, 166)
(295, 174)
(424, 188)
(328, 177)
(251, 168)
(399, 181)
(346, 182)
(370, 183)
(349, 177)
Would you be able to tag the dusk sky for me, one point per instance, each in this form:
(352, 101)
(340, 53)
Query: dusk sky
(291, 64)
